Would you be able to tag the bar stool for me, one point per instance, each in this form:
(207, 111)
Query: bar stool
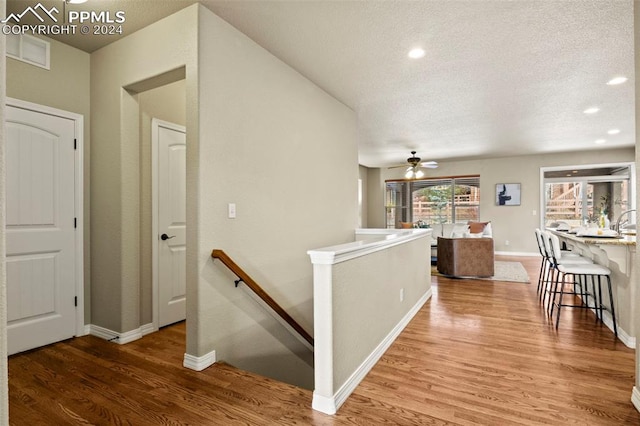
(585, 270)
(564, 257)
(544, 266)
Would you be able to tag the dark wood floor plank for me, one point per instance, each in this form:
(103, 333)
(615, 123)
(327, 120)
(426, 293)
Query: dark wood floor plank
(480, 352)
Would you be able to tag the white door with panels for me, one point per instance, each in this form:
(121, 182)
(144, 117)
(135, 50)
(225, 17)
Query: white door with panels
(169, 143)
(40, 228)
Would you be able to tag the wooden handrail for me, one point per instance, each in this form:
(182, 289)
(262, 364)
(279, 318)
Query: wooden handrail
(255, 287)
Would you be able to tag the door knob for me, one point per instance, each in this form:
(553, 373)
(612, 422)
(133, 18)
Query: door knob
(165, 237)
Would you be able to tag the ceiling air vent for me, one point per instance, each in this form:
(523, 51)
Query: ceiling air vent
(29, 49)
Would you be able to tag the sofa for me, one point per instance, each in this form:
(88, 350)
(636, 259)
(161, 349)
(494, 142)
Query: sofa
(465, 257)
(467, 249)
(458, 230)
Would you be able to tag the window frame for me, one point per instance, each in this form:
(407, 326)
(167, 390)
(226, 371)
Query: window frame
(404, 211)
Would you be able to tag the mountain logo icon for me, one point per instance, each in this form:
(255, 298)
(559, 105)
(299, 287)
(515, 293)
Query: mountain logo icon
(34, 11)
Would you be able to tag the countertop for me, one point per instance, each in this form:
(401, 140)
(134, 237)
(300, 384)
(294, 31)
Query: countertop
(624, 240)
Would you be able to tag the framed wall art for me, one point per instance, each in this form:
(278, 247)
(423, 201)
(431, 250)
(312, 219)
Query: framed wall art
(507, 194)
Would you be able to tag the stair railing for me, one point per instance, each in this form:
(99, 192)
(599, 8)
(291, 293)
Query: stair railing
(259, 291)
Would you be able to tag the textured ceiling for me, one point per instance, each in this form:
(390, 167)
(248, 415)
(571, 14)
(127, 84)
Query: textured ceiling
(499, 78)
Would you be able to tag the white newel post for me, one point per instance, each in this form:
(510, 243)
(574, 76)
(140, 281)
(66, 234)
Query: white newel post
(323, 394)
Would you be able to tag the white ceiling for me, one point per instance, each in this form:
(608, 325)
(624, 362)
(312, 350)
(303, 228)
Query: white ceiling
(499, 78)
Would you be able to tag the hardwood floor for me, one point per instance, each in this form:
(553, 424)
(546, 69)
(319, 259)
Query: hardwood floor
(479, 352)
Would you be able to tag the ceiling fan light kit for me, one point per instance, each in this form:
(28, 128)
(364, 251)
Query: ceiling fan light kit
(413, 171)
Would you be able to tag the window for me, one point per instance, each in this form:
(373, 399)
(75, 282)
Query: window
(29, 49)
(444, 200)
(580, 195)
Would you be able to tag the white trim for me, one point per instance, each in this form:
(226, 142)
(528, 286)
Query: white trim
(120, 338)
(199, 363)
(388, 238)
(155, 291)
(623, 336)
(635, 397)
(78, 120)
(329, 405)
(518, 253)
(103, 333)
(129, 336)
(148, 329)
(628, 340)
(154, 223)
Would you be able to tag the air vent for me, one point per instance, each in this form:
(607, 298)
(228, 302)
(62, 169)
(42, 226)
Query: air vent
(29, 49)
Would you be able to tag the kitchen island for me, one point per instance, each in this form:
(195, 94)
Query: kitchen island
(617, 254)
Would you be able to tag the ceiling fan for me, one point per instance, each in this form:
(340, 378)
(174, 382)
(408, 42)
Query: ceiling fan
(413, 171)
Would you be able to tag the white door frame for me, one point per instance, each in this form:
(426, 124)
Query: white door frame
(78, 120)
(155, 243)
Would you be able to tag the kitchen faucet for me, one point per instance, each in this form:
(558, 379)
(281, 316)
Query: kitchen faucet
(617, 227)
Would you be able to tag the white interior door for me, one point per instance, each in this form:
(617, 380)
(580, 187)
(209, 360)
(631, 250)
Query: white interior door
(40, 185)
(170, 142)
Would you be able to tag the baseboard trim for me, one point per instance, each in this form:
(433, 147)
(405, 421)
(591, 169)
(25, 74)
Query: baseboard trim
(103, 333)
(199, 363)
(330, 405)
(623, 336)
(148, 329)
(518, 253)
(120, 338)
(635, 397)
(607, 320)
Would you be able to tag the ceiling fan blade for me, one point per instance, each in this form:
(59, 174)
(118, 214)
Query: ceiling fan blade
(429, 164)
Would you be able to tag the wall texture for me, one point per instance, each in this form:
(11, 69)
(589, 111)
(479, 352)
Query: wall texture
(65, 86)
(360, 324)
(285, 153)
(167, 45)
(167, 103)
(513, 223)
(4, 380)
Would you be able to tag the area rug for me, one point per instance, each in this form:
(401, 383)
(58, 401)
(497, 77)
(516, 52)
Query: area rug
(503, 271)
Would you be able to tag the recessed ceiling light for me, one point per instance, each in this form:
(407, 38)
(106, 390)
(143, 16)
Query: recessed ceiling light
(591, 110)
(617, 80)
(416, 53)
(600, 141)
(575, 171)
(569, 175)
(76, 1)
(613, 131)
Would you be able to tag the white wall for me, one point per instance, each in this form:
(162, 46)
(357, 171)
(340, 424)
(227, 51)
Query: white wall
(285, 153)
(513, 223)
(4, 388)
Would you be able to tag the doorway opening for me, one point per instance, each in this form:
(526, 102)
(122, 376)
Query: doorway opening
(154, 107)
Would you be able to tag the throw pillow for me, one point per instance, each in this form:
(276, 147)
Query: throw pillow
(477, 227)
